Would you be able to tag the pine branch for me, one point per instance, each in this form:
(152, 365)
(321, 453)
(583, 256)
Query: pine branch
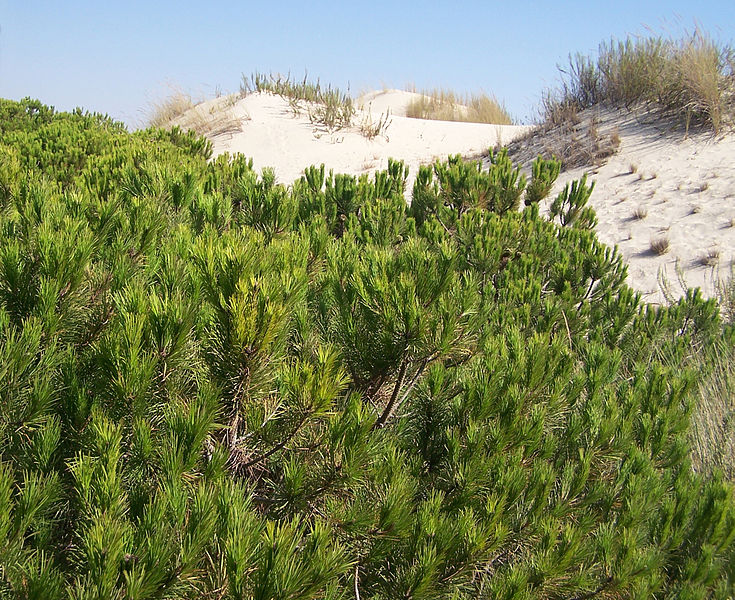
(279, 446)
(393, 405)
(388, 411)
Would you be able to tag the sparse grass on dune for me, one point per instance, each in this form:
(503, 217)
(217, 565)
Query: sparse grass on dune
(446, 105)
(330, 107)
(691, 77)
(713, 417)
(178, 109)
(163, 112)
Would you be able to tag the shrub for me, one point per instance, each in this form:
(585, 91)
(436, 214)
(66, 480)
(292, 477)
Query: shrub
(570, 206)
(544, 174)
(214, 385)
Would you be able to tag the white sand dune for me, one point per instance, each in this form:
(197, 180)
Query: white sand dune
(274, 136)
(685, 185)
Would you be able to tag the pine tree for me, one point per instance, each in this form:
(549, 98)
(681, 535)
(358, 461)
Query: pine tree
(214, 386)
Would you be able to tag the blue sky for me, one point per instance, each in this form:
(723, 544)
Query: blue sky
(117, 57)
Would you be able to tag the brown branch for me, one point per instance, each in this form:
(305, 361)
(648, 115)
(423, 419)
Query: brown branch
(279, 446)
(388, 410)
(393, 405)
(409, 387)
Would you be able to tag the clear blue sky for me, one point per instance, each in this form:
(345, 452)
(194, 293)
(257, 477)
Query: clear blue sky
(116, 57)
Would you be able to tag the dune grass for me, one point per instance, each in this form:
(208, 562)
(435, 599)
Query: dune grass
(712, 419)
(713, 416)
(446, 105)
(327, 106)
(163, 112)
(179, 109)
(691, 77)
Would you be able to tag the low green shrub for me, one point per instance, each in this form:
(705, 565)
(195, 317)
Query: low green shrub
(217, 386)
(543, 176)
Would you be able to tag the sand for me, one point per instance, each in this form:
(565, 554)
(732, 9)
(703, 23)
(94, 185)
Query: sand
(683, 184)
(274, 136)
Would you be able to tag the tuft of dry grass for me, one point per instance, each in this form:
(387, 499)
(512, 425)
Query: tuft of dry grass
(163, 112)
(577, 144)
(640, 212)
(712, 431)
(712, 422)
(711, 258)
(660, 245)
(210, 119)
(690, 78)
(446, 105)
(371, 128)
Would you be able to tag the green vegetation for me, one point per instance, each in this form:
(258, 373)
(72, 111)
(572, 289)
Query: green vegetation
(446, 105)
(214, 386)
(543, 176)
(692, 78)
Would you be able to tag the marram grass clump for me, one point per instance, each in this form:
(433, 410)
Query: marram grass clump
(691, 78)
(216, 386)
(446, 105)
(210, 118)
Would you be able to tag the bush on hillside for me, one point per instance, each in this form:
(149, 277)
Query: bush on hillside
(216, 386)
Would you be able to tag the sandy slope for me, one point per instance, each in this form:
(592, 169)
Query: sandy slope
(276, 137)
(685, 185)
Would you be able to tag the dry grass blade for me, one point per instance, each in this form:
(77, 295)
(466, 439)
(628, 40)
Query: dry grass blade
(163, 112)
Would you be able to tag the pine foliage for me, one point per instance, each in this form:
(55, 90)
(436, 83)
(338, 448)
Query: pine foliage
(214, 386)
